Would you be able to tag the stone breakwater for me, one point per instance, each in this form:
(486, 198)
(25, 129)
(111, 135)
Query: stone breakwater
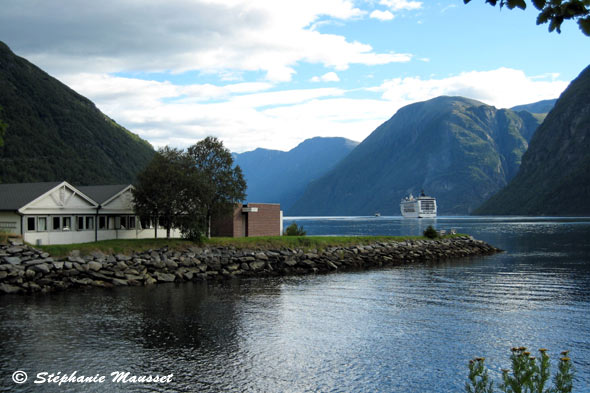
(24, 269)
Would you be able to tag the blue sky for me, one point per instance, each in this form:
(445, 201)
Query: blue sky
(264, 73)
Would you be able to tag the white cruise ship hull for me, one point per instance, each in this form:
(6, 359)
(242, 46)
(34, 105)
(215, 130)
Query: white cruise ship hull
(421, 207)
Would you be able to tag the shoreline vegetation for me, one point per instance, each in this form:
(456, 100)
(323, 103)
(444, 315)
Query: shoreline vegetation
(27, 269)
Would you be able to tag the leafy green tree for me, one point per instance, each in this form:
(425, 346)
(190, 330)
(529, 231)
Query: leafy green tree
(164, 190)
(554, 12)
(295, 230)
(430, 232)
(222, 184)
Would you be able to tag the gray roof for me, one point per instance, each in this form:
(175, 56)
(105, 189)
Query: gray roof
(102, 194)
(14, 196)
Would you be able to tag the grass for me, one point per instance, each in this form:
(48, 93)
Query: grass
(129, 246)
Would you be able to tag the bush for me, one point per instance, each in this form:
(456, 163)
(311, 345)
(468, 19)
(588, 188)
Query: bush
(529, 374)
(430, 232)
(294, 230)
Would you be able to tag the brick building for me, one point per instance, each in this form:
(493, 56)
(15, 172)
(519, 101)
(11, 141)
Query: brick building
(252, 219)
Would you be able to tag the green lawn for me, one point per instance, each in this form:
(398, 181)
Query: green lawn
(265, 243)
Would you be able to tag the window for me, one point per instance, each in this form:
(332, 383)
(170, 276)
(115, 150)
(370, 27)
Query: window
(30, 223)
(80, 225)
(66, 223)
(89, 223)
(56, 223)
(7, 225)
(42, 224)
(102, 222)
(118, 222)
(131, 222)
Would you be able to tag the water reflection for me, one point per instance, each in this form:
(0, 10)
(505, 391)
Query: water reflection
(400, 329)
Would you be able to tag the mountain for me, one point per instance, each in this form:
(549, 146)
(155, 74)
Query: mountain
(554, 178)
(459, 150)
(536, 107)
(281, 177)
(53, 133)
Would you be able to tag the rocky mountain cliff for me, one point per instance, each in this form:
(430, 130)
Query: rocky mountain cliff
(54, 134)
(459, 150)
(554, 178)
(281, 177)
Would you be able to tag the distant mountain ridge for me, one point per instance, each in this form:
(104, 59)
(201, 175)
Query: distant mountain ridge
(554, 178)
(56, 134)
(281, 177)
(458, 149)
(540, 107)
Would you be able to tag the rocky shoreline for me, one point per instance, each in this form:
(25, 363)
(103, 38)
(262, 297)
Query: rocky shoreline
(24, 269)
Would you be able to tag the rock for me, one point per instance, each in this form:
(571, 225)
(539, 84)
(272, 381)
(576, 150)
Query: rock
(14, 250)
(189, 275)
(261, 256)
(122, 265)
(257, 265)
(171, 264)
(6, 288)
(119, 282)
(29, 273)
(121, 257)
(232, 267)
(165, 277)
(42, 268)
(290, 262)
(149, 280)
(3, 275)
(94, 266)
(12, 260)
(58, 265)
(75, 254)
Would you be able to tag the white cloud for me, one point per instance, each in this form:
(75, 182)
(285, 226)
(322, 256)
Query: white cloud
(215, 36)
(503, 88)
(381, 15)
(250, 115)
(398, 5)
(327, 77)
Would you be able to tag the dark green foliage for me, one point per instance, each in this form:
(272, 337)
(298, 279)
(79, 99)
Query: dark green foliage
(529, 374)
(459, 150)
(430, 232)
(56, 134)
(3, 127)
(479, 382)
(222, 184)
(295, 230)
(554, 178)
(281, 177)
(554, 12)
(166, 189)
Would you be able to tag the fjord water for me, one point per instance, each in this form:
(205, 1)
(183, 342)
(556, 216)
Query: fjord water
(402, 329)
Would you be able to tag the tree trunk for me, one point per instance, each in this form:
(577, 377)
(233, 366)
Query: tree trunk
(156, 227)
(208, 226)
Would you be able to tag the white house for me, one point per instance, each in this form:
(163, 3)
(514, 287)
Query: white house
(59, 213)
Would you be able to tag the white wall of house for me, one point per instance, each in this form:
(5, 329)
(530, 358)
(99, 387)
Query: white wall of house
(10, 222)
(64, 216)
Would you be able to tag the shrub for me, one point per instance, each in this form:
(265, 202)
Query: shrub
(294, 230)
(430, 232)
(529, 374)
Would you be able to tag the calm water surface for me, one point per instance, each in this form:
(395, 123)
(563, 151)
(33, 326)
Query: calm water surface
(404, 329)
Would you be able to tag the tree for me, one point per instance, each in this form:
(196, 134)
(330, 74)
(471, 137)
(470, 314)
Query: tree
(222, 184)
(554, 11)
(164, 191)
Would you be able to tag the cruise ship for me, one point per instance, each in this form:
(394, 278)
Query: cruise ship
(421, 207)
